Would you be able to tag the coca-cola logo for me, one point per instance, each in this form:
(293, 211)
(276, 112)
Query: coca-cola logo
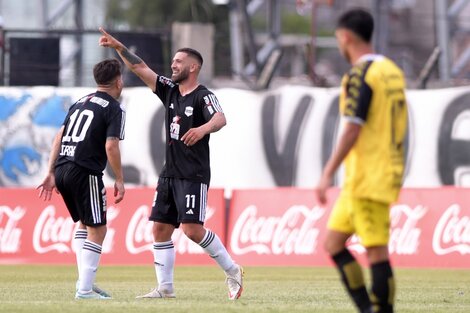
(452, 232)
(292, 233)
(139, 234)
(55, 233)
(10, 235)
(404, 233)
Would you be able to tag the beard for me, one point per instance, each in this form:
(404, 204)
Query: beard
(182, 76)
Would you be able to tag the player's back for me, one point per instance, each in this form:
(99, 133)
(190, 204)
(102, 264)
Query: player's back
(88, 124)
(374, 166)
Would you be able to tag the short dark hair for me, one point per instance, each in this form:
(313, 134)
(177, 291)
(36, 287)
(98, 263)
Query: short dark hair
(359, 21)
(105, 72)
(192, 52)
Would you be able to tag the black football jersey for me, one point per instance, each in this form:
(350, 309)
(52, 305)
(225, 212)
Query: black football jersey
(183, 113)
(89, 122)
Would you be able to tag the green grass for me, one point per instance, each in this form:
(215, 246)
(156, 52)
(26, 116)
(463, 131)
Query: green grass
(28, 288)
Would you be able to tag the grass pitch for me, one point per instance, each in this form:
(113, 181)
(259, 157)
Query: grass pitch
(38, 289)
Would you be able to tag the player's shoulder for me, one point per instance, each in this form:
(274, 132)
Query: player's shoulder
(106, 101)
(202, 91)
(381, 64)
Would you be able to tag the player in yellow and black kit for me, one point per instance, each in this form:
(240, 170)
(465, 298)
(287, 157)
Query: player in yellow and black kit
(373, 106)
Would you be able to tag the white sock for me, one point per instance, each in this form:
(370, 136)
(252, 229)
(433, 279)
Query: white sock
(90, 260)
(164, 261)
(78, 241)
(213, 246)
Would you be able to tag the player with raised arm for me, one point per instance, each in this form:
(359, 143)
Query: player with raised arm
(192, 114)
(373, 106)
(87, 140)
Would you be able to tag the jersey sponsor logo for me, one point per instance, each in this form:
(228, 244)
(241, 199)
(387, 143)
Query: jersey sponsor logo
(166, 81)
(67, 150)
(188, 111)
(175, 128)
(172, 106)
(190, 212)
(100, 101)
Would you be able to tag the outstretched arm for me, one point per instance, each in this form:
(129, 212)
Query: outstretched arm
(132, 61)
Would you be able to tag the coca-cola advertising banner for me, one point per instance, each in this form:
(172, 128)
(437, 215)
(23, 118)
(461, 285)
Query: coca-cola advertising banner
(281, 137)
(286, 226)
(35, 231)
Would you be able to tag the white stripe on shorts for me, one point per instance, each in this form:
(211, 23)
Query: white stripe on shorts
(94, 199)
(202, 203)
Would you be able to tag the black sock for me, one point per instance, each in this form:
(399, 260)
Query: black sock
(353, 279)
(383, 287)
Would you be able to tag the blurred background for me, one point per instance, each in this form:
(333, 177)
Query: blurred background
(254, 44)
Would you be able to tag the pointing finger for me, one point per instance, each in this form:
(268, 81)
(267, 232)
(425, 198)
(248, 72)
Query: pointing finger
(103, 31)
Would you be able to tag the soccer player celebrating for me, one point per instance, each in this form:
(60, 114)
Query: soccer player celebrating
(373, 106)
(88, 138)
(192, 113)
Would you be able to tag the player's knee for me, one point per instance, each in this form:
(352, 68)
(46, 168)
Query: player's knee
(194, 232)
(162, 232)
(332, 247)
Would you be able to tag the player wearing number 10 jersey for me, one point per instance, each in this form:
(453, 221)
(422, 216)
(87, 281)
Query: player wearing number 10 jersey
(88, 138)
(373, 106)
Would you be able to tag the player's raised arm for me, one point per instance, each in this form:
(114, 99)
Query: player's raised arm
(132, 61)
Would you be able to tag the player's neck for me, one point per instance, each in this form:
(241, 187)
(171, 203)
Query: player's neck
(187, 87)
(110, 91)
(359, 51)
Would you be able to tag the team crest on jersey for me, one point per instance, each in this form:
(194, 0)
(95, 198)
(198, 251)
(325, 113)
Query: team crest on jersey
(188, 111)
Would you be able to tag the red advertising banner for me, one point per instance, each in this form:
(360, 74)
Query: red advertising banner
(284, 226)
(429, 228)
(34, 231)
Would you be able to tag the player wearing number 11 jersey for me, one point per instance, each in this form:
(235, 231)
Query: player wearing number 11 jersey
(373, 106)
(88, 138)
(192, 114)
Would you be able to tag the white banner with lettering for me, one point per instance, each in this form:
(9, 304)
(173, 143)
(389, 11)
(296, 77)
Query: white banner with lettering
(275, 138)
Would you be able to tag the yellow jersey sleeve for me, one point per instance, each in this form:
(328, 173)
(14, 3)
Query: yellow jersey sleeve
(358, 94)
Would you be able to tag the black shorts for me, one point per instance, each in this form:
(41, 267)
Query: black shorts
(179, 201)
(84, 194)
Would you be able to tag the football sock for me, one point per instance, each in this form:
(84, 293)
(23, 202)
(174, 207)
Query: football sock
(164, 261)
(78, 241)
(212, 245)
(90, 259)
(383, 287)
(353, 279)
